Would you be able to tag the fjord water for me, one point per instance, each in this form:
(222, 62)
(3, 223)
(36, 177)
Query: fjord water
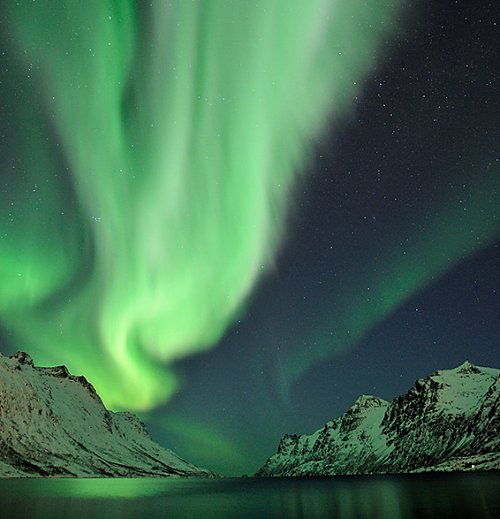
(389, 497)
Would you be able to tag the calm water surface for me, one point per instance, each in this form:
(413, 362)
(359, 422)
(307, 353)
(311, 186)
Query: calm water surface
(465, 495)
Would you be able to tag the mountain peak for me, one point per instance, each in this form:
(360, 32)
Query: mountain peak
(23, 358)
(370, 400)
(468, 367)
(466, 370)
(365, 402)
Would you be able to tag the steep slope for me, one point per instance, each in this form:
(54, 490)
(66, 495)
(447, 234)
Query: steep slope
(447, 421)
(55, 424)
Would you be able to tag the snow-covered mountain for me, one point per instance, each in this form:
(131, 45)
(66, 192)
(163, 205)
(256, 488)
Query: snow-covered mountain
(55, 424)
(448, 421)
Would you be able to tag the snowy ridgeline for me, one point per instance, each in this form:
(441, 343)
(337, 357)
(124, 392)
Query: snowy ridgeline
(449, 421)
(55, 424)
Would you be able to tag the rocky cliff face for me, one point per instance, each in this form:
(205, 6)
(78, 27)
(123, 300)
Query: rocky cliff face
(447, 421)
(55, 424)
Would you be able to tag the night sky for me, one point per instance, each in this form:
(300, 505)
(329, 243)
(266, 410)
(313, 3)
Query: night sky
(387, 269)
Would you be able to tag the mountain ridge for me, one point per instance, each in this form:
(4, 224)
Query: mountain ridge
(53, 423)
(446, 421)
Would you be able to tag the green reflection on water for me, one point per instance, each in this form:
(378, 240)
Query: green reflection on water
(391, 497)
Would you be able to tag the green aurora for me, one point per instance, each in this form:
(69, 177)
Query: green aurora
(158, 174)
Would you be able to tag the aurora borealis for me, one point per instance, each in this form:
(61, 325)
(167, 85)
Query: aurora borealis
(219, 207)
(182, 135)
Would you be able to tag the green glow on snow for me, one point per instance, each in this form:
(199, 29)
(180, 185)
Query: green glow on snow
(183, 127)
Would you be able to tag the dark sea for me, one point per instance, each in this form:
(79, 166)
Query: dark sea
(388, 497)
